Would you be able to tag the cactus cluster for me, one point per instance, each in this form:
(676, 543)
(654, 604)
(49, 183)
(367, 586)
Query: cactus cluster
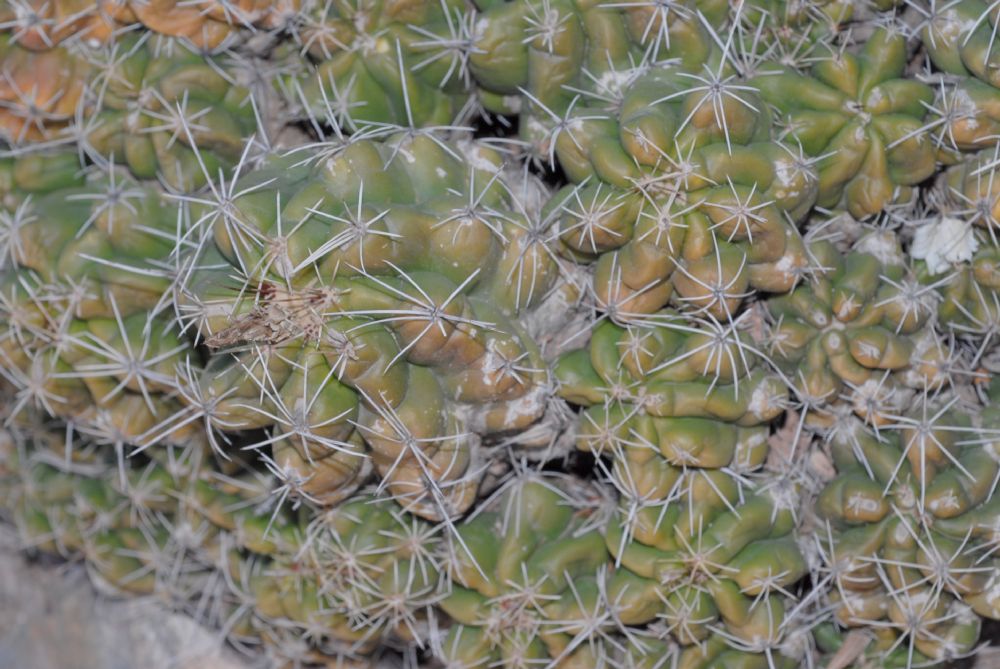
(474, 333)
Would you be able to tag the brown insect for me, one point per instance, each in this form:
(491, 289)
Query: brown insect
(278, 316)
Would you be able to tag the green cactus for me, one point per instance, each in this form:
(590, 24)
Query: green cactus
(530, 582)
(909, 520)
(858, 336)
(959, 38)
(690, 365)
(955, 251)
(680, 196)
(554, 51)
(162, 111)
(681, 413)
(86, 338)
(376, 63)
(863, 120)
(415, 346)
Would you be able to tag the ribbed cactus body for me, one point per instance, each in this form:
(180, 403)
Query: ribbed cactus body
(529, 333)
(862, 119)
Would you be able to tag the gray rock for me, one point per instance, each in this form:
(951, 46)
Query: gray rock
(52, 618)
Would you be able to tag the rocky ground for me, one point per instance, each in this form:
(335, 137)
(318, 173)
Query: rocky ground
(52, 618)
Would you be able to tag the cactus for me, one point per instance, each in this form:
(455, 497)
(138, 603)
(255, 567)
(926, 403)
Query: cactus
(40, 25)
(690, 364)
(557, 51)
(419, 344)
(39, 91)
(422, 344)
(404, 64)
(959, 38)
(157, 104)
(813, 19)
(681, 412)
(907, 524)
(858, 336)
(85, 341)
(533, 584)
(681, 197)
(144, 102)
(955, 251)
(862, 118)
(207, 24)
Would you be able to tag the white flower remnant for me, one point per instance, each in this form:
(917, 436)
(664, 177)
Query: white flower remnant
(944, 243)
